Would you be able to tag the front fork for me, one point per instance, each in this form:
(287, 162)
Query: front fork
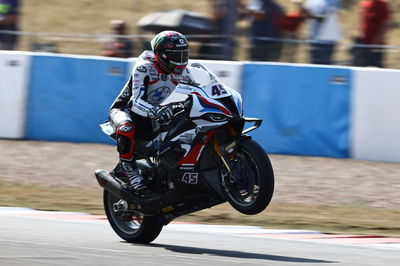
(228, 151)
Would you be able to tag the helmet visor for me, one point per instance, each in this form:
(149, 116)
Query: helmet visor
(179, 57)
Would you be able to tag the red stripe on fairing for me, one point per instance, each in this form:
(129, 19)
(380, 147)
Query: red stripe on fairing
(224, 110)
(194, 153)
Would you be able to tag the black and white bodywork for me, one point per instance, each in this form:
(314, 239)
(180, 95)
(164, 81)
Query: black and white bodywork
(202, 158)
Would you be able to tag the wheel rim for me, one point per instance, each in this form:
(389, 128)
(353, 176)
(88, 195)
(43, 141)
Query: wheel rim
(129, 223)
(243, 187)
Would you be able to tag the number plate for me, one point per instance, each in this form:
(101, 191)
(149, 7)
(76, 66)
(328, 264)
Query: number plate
(216, 91)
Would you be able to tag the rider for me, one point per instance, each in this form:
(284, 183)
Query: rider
(153, 79)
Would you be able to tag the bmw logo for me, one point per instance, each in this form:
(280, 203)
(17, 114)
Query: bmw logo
(159, 94)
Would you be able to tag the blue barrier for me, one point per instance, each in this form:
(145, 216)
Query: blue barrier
(305, 108)
(69, 97)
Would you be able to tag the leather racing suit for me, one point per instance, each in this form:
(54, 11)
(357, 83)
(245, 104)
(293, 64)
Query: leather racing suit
(140, 98)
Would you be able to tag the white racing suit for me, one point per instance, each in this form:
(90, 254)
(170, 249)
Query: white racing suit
(140, 99)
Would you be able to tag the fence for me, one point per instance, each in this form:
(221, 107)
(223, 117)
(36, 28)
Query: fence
(294, 49)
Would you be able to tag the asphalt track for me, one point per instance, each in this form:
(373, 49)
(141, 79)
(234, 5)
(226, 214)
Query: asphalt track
(29, 237)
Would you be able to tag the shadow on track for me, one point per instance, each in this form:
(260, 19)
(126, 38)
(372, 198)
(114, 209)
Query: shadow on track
(236, 254)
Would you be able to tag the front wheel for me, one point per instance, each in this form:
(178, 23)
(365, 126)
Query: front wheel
(133, 227)
(250, 187)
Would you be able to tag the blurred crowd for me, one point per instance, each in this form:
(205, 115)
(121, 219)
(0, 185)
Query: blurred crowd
(9, 11)
(271, 29)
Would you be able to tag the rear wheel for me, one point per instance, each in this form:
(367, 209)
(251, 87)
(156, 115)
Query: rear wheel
(131, 226)
(250, 187)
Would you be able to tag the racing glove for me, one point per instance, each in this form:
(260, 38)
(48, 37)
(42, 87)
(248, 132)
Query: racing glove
(163, 114)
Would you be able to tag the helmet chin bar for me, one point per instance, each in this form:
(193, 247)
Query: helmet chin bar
(179, 63)
(178, 69)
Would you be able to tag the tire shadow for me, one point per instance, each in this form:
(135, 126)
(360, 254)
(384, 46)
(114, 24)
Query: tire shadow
(236, 254)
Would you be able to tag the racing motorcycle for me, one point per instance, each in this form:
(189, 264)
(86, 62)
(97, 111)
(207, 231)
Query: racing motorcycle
(202, 158)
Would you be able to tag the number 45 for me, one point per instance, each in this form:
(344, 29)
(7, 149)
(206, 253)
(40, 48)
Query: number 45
(190, 178)
(218, 90)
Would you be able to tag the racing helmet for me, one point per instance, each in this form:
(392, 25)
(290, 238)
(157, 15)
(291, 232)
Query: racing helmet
(171, 51)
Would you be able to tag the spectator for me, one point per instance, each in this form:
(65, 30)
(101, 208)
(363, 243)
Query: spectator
(324, 29)
(374, 21)
(290, 24)
(292, 20)
(224, 16)
(119, 46)
(9, 15)
(265, 16)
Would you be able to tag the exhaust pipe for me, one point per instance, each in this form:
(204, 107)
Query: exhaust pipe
(108, 183)
(148, 206)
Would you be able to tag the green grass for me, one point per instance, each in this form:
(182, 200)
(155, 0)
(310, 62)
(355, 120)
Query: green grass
(44, 198)
(328, 219)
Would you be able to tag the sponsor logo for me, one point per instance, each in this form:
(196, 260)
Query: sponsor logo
(190, 178)
(115, 71)
(159, 94)
(125, 129)
(339, 80)
(141, 69)
(223, 74)
(181, 43)
(126, 93)
(141, 108)
(189, 168)
(13, 63)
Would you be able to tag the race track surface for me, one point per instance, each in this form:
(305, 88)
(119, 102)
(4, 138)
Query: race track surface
(30, 237)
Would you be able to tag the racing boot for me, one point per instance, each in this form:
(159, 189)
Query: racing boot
(136, 180)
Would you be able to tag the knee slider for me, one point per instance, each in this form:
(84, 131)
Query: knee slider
(125, 138)
(124, 144)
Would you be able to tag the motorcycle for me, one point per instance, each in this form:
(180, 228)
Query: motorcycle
(201, 159)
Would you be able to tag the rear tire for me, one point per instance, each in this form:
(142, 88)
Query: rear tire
(132, 227)
(252, 187)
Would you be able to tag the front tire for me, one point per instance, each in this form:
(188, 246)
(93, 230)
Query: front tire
(133, 227)
(250, 188)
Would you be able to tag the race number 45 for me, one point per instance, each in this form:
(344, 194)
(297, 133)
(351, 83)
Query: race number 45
(218, 90)
(190, 178)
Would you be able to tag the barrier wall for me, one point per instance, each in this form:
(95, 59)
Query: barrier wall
(376, 115)
(69, 96)
(14, 69)
(305, 108)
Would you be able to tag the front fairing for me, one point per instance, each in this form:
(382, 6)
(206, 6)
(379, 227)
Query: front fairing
(210, 97)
